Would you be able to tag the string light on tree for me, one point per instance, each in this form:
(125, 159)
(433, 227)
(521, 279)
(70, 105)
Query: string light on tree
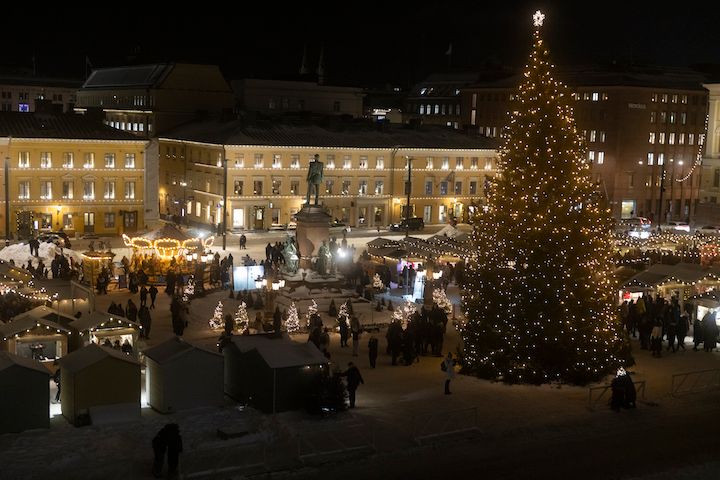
(440, 297)
(404, 313)
(216, 321)
(377, 282)
(241, 317)
(292, 324)
(538, 295)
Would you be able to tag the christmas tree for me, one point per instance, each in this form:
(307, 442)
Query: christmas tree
(292, 324)
(440, 297)
(241, 317)
(538, 295)
(344, 312)
(217, 319)
(189, 289)
(404, 313)
(377, 282)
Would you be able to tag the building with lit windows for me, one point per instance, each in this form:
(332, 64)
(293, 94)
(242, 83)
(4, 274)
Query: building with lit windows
(709, 209)
(437, 99)
(644, 130)
(147, 100)
(18, 93)
(365, 170)
(72, 172)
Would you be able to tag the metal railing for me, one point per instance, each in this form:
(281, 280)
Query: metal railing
(596, 394)
(434, 426)
(695, 382)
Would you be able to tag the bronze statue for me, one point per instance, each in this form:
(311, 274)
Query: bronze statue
(314, 178)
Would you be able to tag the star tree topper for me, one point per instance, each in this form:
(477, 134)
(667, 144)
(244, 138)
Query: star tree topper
(538, 18)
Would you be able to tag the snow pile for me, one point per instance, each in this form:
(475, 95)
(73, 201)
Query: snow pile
(20, 254)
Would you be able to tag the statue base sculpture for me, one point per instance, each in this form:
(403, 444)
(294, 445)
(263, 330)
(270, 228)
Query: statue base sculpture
(313, 227)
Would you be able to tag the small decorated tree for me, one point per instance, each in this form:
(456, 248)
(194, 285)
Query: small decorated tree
(292, 324)
(217, 319)
(312, 310)
(442, 300)
(377, 282)
(344, 312)
(404, 313)
(241, 317)
(189, 289)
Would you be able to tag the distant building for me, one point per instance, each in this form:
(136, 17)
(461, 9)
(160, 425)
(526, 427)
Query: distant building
(364, 173)
(147, 100)
(709, 207)
(72, 172)
(18, 93)
(283, 96)
(437, 99)
(644, 130)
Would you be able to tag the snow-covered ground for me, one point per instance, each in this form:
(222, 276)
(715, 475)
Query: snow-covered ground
(522, 431)
(19, 253)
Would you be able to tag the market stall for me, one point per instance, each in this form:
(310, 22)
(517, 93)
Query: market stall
(25, 399)
(97, 327)
(682, 280)
(32, 336)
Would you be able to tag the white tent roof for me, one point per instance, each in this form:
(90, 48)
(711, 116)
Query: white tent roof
(91, 354)
(172, 348)
(8, 359)
(280, 352)
(95, 319)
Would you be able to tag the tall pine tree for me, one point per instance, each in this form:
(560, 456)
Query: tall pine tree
(538, 295)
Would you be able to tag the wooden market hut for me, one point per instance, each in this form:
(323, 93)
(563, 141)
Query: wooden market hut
(37, 334)
(99, 384)
(98, 326)
(181, 376)
(272, 373)
(682, 280)
(25, 399)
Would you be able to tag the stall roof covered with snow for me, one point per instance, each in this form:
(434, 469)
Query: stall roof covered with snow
(36, 335)
(180, 375)
(681, 273)
(272, 372)
(25, 399)
(101, 382)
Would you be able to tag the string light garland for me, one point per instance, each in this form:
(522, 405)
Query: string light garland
(538, 295)
(168, 247)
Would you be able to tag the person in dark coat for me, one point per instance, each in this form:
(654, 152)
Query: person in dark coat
(159, 446)
(354, 379)
(698, 332)
(131, 311)
(145, 321)
(153, 291)
(373, 350)
(710, 332)
(174, 448)
(143, 296)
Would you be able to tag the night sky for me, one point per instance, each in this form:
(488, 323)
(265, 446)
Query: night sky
(365, 44)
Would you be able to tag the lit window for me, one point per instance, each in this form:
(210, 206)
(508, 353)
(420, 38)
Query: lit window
(661, 138)
(674, 98)
(683, 118)
(601, 136)
(661, 158)
(681, 139)
(592, 135)
(129, 160)
(277, 160)
(347, 161)
(46, 190)
(429, 163)
(89, 160)
(362, 187)
(68, 190)
(239, 160)
(330, 161)
(109, 160)
(488, 164)
(445, 163)
(671, 138)
(474, 163)
(459, 165)
(89, 190)
(109, 190)
(691, 139)
(421, 109)
(258, 160)
(595, 96)
(653, 117)
(600, 158)
(683, 99)
(68, 160)
(591, 156)
(664, 98)
(379, 163)
(24, 190)
(379, 187)
(24, 160)
(651, 158)
(45, 160)
(652, 138)
(363, 163)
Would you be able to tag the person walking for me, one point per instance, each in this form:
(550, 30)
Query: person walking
(373, 350)
(159, 446)
(143, 296)
(243, 242)
(356, 330)
(153, 291)
(174, 448)
(354, 379)
(145, 321)
(448, 366)
(56, 379)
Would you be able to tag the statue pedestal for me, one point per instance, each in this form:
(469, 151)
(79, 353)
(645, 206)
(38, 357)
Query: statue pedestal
(313, 227)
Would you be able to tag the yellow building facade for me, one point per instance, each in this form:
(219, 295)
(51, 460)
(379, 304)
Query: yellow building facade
(80, 185)
(362, 186)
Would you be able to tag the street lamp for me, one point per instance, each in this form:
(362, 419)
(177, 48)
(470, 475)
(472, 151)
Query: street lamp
(270, 284)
